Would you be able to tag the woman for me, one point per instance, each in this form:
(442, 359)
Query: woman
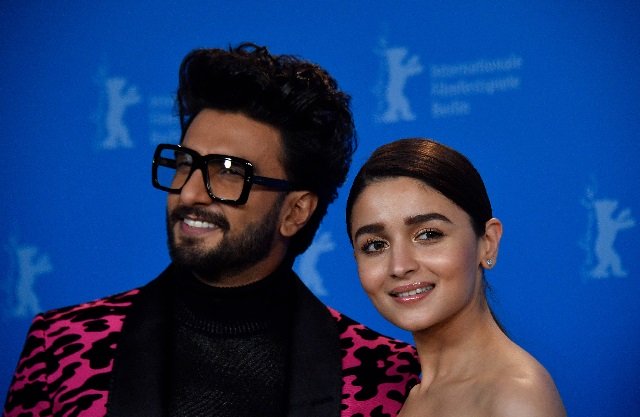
(421, 225)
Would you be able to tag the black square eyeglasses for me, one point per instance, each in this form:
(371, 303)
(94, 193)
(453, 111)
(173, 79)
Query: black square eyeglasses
(228, 179)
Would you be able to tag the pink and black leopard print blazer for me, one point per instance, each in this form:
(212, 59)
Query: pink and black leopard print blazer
(104, 358)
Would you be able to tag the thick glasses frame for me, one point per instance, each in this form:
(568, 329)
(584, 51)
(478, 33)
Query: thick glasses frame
(201, 161)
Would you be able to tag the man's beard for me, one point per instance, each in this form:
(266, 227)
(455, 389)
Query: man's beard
(233, 254)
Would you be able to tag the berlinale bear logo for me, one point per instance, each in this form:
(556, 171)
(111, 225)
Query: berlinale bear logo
(307, 264)
(608, 222)
(119, 100)
(399, 68)
(29, 263)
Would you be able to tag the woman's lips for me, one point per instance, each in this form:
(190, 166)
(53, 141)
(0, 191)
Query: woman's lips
(412, 292)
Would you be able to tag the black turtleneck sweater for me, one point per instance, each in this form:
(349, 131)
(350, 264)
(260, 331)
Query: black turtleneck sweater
(230, 348)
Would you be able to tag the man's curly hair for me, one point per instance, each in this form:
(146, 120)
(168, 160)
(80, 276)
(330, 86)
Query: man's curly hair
(297, 97)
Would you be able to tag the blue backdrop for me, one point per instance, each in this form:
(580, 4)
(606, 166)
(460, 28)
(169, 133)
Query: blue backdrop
(543, 97)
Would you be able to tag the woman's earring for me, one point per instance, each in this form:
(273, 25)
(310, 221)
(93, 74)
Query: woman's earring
(489, 262)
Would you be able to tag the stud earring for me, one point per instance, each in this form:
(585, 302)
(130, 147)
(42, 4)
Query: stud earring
(489, 262)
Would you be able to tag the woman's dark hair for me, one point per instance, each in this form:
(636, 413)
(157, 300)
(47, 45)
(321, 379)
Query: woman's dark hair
(297, 97)
(440, 167)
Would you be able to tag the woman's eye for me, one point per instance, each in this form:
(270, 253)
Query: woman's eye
(429, 234)
(373, 245)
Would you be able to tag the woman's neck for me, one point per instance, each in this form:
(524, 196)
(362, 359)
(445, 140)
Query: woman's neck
(461, 347)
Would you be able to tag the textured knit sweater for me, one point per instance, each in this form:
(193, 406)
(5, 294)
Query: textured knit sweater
(230, 348)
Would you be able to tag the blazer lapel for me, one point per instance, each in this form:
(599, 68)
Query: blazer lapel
(316, 368)
(139, 371)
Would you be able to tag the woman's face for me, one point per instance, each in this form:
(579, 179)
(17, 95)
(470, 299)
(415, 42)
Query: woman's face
(418, 257)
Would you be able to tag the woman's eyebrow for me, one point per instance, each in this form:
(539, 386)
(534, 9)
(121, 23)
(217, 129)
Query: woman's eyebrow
(411, 220)
(368, 228)
(423, 218)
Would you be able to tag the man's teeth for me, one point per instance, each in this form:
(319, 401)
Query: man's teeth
(414, 292)
(199, 224)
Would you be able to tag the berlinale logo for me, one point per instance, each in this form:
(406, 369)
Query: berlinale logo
(603, 260)
(28, 264)
(399, 67)
(307, 264)
(116, 97)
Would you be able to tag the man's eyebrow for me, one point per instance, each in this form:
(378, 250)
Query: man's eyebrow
(423, 218)
(368, 228)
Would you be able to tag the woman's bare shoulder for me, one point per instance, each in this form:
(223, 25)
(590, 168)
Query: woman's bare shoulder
(524, 388)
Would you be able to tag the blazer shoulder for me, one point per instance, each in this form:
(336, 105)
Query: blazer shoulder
(67, 358)
(361, 335)
(100, 307)
(378, 371)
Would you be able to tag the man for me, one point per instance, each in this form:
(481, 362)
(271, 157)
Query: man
(227, 329)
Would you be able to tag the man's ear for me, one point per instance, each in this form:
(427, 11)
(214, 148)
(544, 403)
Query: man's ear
(296, 211)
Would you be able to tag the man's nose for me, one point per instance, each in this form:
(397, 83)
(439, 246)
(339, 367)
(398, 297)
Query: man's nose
(194, 191)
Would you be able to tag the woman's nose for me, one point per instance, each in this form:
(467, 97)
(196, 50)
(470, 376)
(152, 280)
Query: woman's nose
(402, 262)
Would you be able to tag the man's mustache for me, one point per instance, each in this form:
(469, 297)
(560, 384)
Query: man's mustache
(201, 214)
